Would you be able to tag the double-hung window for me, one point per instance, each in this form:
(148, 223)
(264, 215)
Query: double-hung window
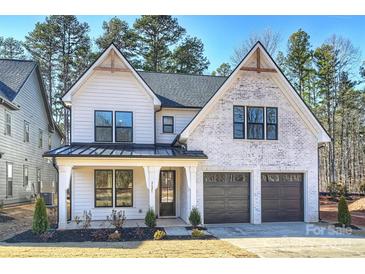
(103, 188)
(167, 124)
(124, 126)
(255, 123)
(26, 131)
(40, 138)
(9, 179)
(25, 175)
(7, 123)
(103, 126)
(238, 122)
(271, 123)
(123, 188)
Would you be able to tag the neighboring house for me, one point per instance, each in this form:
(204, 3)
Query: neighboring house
(240, 149)
(27, 130)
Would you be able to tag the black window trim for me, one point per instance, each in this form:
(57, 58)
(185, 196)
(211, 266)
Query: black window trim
(115, 188)
(112, 188)
(95, 126)
(6, 123)
(263, 122)
(276, 124)
(6, 179)
(115, 126)
(40, 138)
(163, 124)
(26, 140)
(243, 123)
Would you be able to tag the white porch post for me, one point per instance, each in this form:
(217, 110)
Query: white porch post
(256, 197)
(152, 174)
(191, 180)
(63, 183)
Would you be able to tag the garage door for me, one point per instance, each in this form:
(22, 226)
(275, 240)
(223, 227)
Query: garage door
(226, 197)
(282, 197)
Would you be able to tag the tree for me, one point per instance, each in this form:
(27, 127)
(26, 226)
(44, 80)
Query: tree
(189, 57)
(42, 44)
(155, 35)
(223, 70)
(40, 219)
(118, 32)
(268, 38)
(298, 62)
(11, 48)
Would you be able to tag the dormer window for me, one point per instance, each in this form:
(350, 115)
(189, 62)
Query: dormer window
(124, 126)
(103, 126)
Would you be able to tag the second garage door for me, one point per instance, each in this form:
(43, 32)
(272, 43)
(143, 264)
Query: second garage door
(226, 197)
(282, 197)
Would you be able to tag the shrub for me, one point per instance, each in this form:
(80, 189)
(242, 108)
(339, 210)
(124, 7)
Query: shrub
(150, 219)
(344, 216)
(117, 219)
(159, 235)
(115, 236)
(40, 219)
(362, 188)
(87, 218)
(194, 217)
(196, 233)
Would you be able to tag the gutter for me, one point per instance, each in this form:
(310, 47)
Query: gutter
(9, 104)
(57, 188)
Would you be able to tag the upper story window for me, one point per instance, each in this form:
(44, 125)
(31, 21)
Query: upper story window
(7, 123)
(40, 138)
(255, 123)
(26, 132)
(238, 122)
(49, 141)
(103, 126)
(167, 124)
(123, 126)
(271, 123)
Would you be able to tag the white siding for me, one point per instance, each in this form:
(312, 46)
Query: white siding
(32, 109)
(182, 118)
(117, 91)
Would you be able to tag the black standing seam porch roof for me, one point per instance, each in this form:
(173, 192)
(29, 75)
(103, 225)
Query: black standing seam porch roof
(124, 151)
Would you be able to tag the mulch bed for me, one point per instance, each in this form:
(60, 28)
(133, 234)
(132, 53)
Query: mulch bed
(354, 227)
(5, 218)
(84, 235)
(199, 227)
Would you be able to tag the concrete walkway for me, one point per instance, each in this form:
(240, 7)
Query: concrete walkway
(299, 240)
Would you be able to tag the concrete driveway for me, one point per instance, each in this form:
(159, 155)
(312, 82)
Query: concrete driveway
(298, 240)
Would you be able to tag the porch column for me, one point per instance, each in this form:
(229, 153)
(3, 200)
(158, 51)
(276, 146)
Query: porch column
(191, 180)
(256, 197)
(152, 174)
(64, 177)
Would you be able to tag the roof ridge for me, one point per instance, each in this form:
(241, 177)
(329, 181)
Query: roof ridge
(188, 74)
(17, 60)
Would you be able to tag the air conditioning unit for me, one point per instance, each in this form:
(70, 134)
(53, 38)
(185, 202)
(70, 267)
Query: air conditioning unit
(48, 198)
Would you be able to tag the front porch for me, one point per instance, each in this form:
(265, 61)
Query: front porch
(168, 186)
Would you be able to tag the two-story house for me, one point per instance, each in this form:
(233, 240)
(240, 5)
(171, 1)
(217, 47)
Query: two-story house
(242, 148)
(27, 130)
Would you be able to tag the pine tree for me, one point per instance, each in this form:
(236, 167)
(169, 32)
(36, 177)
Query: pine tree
(11, 48)
(155, 34)
(189, 57)
(223, 70)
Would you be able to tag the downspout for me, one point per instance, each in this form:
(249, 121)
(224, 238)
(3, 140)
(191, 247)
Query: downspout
(319, 166)
(155, 134)
(57, 188)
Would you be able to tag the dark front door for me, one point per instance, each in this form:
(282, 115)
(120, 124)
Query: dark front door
(167, 193)
(226, 197)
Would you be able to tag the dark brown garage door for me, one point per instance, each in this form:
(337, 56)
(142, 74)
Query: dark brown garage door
(282, 197)
(226, 197)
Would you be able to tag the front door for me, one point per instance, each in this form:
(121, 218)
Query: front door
(167, 193)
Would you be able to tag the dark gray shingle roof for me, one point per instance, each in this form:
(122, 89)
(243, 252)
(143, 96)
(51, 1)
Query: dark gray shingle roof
(13, 74)
(182, 90)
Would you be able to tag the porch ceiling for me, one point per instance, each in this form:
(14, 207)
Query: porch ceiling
(124, 151)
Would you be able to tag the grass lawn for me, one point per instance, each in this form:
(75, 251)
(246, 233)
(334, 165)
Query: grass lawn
(145, 249)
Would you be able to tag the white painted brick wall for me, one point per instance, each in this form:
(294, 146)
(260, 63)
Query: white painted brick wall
(294, 151)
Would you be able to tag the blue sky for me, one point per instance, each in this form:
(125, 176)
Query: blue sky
(221, 34)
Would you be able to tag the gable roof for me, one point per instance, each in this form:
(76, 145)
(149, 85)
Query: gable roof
(182, 90)
(13, 75)
(66, 98)
(297, 102)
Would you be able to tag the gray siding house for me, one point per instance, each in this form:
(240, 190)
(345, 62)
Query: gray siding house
(27, 130)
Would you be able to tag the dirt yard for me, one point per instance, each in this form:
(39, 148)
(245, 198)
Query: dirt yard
(329, 212)
(145, 249)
